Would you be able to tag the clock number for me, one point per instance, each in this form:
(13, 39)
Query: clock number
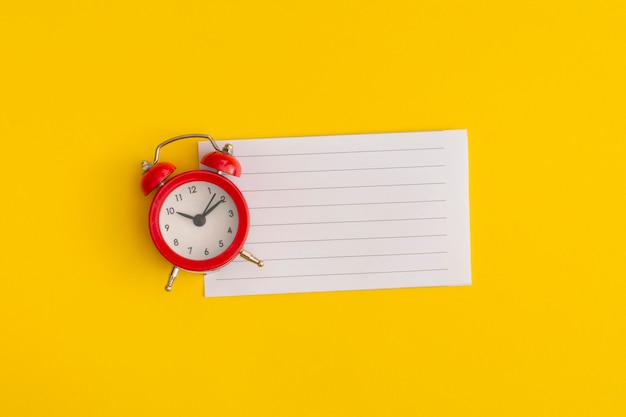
(222, 199)
(206, 251)
(230, 230)
(221, 243)
(230, 213)
(192, 189)
(175, 242)
(190, 247)
(170, 210)
(167, 227)
(209, 190)
(179, 197)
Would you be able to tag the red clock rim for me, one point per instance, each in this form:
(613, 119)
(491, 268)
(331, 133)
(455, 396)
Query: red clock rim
(240, 236)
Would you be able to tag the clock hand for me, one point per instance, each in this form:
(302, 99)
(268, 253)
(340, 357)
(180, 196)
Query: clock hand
(184, 215)
(212, 208)
(206, 209)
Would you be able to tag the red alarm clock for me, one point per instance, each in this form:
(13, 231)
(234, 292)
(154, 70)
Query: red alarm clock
(198, 220)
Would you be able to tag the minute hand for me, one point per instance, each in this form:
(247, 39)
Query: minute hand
(212, 208)
(206, 209)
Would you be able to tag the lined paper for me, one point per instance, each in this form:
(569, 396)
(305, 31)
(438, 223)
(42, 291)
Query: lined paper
(351, 212)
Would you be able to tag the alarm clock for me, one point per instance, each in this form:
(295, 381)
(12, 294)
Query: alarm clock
(198, 219)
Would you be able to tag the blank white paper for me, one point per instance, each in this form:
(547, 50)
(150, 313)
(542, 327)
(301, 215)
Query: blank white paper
(351, 212)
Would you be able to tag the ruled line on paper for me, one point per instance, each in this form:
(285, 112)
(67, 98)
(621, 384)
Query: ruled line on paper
(339, 152)
(353, 186)
(344, 169)
(349, 221)
(352, 212)
(349, 204)
(345, 239)
(344, 274)
(347, 256)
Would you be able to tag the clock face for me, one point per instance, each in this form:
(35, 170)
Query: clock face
(199, 220)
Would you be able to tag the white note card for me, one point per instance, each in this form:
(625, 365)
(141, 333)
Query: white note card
(351, 212)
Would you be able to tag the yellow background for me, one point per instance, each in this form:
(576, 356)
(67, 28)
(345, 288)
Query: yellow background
(90, 88)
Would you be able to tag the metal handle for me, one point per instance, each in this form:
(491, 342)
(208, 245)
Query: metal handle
(191, 135)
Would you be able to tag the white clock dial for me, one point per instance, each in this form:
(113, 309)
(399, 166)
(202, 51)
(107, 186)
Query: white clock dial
(198, 220)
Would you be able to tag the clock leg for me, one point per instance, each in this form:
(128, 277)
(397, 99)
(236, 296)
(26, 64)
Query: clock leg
(251, 258)
(171, 279)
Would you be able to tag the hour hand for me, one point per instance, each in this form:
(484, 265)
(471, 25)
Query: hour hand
(185, 215)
